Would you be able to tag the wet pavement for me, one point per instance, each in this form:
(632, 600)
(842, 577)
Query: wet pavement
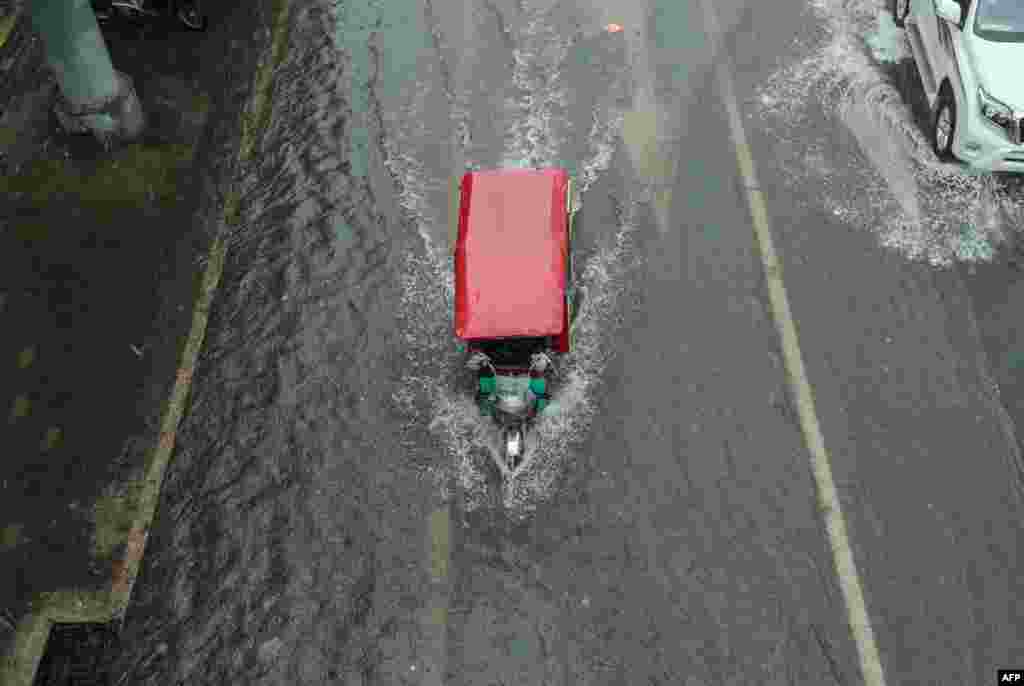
(96, 296)
(332, 514)
(667, 531)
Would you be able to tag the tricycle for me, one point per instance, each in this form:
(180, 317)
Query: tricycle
(514, 293)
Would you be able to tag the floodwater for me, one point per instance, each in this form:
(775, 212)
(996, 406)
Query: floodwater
(330, 413)
(857, 76)
(333, 514)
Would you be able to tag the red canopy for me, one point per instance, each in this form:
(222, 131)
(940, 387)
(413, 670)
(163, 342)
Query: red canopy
(511, 255)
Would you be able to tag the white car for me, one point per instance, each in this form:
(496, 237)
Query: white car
(970, 55)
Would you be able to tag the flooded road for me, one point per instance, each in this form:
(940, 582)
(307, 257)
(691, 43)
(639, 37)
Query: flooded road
(333, 514)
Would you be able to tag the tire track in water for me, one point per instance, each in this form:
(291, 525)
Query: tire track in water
(925, 209)
(535, 119)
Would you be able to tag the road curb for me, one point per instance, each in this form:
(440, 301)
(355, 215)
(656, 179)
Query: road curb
(19, 666)
(9, 21)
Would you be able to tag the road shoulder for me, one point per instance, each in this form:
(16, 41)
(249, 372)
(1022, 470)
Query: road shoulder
(202, 115)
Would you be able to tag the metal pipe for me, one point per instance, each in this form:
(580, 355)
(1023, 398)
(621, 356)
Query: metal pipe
(94, 97)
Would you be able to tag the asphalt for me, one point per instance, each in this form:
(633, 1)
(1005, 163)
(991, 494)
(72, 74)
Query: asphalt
(669, 533)
(904, 358)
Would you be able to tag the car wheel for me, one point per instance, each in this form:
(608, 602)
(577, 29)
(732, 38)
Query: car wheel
(900, 10)
(944, 127)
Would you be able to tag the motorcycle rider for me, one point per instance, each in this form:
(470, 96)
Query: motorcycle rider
(487, 391)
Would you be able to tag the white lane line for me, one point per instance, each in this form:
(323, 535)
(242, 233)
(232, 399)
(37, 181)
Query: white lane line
(828, 499)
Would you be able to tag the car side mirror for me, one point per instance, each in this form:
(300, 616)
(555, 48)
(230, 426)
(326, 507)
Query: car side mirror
(950, 10)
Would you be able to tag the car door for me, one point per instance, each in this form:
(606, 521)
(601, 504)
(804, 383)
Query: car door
(942, 43)
(946, 61)
(927, 23)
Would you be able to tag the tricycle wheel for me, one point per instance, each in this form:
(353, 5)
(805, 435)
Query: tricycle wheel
(900, 10)
(454, 186)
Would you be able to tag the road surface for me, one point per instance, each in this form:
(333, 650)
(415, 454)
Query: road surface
(331, 516)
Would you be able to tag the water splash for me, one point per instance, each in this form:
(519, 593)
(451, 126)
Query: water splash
(572, 411)
(535, 118)
(914, 203)
(604, 134)
(469, 442)
(466, 443)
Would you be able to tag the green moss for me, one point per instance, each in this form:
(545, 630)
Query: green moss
(257, 117)
(201, 104)
(54, 439)
(31, 231)
(232, 208)
(113, 516)
(10, 536)
(6, 26)
(130, 178)
(19, 664)
(75, 605)
(8, 136)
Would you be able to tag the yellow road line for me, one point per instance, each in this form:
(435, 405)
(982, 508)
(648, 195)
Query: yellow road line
(436, 629)
(828, 499)
(440, 532)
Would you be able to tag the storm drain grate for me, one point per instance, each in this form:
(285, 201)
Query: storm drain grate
(78, 654)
